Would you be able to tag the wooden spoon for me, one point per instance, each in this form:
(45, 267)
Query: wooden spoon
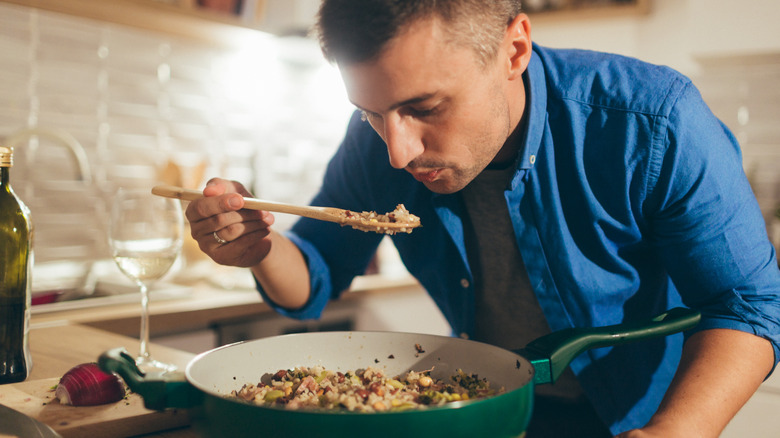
(365, 221)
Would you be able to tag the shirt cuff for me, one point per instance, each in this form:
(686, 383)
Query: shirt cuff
(319, 282)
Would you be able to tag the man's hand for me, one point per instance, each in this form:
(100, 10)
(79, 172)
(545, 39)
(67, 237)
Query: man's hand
(224, 231)
(233, 236)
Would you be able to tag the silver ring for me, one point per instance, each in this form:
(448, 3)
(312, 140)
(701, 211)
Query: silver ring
(219, 240)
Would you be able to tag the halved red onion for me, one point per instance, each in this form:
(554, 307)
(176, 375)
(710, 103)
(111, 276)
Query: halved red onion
(87, 385)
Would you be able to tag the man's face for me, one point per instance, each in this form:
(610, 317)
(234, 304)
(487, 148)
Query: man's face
(443, 115)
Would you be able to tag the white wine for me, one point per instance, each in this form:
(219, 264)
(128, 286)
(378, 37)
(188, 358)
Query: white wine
(145, 236)
(145, 267)
(146, 259)
(16, 260)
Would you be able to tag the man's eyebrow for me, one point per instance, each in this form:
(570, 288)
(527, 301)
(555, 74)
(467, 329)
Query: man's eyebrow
(410, 101)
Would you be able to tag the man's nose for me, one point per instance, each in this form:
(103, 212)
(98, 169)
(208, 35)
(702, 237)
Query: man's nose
(404, 141)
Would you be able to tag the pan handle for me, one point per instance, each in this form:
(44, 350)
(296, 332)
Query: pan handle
(551, 354)
(159, 390)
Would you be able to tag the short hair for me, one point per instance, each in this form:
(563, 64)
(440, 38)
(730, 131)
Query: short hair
(353, 31)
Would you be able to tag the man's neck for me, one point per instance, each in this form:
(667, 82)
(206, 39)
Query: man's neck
(507, 155)
(508, 152)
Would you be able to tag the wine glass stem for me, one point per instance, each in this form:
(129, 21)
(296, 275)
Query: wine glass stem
(144, 354)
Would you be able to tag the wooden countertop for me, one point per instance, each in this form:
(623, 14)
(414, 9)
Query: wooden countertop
(203, 306)
(56, 349)
(59, 340)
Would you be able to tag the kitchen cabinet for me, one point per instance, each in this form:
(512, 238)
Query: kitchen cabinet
(203, 20)
(185, 18)
(556, 10)
(401, 305)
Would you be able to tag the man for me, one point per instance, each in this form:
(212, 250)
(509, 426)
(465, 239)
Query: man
(556, 189)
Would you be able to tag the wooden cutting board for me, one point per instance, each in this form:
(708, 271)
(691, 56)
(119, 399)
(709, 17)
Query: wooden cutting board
(126, 417)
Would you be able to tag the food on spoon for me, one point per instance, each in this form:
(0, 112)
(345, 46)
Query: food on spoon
(364, 390)
(371, 221)
(87, 385)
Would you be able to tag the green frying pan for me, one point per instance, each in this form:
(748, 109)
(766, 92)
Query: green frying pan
(214, 374)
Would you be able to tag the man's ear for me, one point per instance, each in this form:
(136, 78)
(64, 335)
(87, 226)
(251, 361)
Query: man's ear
(518, 45)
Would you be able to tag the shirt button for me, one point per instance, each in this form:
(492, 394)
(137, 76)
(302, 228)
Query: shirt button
(464, 283)
(532, 159)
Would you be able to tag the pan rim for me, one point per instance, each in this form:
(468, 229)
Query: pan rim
(497, 398)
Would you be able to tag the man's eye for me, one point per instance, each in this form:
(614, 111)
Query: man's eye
(419, 112)
(367, 115)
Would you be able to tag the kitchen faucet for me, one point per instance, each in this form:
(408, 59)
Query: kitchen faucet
(59, 136)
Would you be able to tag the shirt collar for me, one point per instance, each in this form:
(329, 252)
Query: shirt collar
(535, 118)
(536, 110)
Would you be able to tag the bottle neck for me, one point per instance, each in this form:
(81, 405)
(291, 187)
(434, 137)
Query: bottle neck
(5, 175)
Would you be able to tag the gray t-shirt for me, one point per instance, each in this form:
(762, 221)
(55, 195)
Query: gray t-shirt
(507, 313)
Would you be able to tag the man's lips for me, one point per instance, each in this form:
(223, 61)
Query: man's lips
(426, 176)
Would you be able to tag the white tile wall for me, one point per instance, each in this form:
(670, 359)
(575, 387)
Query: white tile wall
(268, 114)
(142, 104)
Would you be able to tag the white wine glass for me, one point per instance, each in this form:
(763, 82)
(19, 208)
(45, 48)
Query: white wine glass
(145, 235)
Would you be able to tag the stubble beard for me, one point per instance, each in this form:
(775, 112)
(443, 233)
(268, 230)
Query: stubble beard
(484, 152)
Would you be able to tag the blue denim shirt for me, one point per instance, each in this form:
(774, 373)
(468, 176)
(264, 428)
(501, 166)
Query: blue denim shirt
(629, 198)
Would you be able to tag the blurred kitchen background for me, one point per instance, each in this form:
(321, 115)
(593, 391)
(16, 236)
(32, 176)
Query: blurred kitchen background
(95, 95)
(119, 104)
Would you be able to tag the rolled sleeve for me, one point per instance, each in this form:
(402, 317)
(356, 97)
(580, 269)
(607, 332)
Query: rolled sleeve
(709, 229)
(747, 309)
(319, 275)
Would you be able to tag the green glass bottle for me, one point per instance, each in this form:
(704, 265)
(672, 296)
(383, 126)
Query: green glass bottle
(16, 260)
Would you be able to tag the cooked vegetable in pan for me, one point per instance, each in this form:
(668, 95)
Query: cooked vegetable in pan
(362, 390)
